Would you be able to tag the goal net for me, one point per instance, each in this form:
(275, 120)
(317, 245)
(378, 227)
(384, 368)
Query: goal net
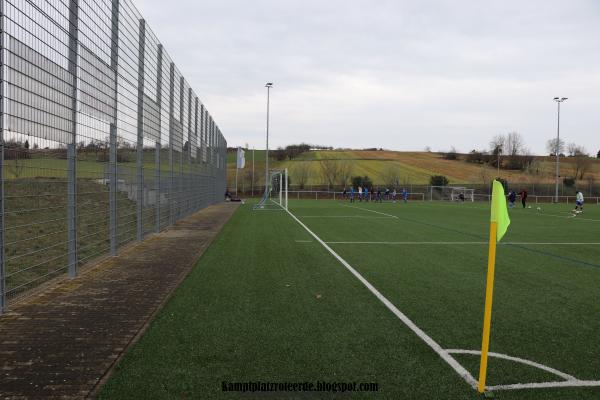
(275, 196)
(451, 193)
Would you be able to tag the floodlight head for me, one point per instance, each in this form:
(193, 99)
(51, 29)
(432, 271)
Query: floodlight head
(556, 98)
(269, 84)
(564, 98)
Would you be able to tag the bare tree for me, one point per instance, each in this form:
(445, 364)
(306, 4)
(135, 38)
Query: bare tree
(301, 172)
(497, 144)
(573, 149)
(554, 146)
(591, 180)
(391, 177)
(514, 144)
(581, 160)
(345, 169)
(329, 171)
(485, 174)
(534, 169)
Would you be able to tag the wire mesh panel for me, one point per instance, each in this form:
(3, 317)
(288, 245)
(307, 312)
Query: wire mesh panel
(103, 140)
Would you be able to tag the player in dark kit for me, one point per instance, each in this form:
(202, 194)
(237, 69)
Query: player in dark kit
(523, 195)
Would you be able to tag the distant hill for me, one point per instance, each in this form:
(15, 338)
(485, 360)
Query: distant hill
(413, 167)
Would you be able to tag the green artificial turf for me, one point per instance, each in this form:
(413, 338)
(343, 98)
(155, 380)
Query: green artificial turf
(267, 302)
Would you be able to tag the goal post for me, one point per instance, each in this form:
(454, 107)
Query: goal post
(275, 196)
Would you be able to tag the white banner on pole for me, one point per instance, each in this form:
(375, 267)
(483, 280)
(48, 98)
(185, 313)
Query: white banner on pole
(241, 159)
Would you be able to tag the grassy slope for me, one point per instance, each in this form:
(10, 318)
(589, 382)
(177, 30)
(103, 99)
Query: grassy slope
(249, 309)
(416, 167)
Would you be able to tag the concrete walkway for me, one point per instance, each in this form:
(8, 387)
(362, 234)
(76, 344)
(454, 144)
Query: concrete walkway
(63, 342)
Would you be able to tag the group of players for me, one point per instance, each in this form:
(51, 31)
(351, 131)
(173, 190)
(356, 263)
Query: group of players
(512, 198)
(375, 195)
(378, 196)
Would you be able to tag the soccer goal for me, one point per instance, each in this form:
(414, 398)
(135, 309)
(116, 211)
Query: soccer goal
(275, 196)
(451, 193)
(462, 194)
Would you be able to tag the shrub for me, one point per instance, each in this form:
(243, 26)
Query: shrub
(569, 181)
(438, 180)
(475, 157)
(363, 181)
(451, 155)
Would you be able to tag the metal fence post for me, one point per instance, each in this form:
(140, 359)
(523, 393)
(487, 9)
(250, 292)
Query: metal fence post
(180, 181)
(112, 168)
(157, 184)
(178, 192)
(157, 174)
(201, 156)
(72, 208)
(140, 132)
(71, 147)
(112, 163)
(212, 160)
(2, 252)
(195, 183)
(188, 186)
(171, 128)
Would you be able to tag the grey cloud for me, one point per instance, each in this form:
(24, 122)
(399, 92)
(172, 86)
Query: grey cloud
(396, 74)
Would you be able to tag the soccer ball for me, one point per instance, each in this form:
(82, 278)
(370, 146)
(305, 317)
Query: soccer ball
(529, 207)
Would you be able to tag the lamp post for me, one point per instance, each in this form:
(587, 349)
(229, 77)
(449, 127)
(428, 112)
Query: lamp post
(269, 85)
(558, 100)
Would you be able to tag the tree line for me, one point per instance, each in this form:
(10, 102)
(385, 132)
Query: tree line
(509, 152)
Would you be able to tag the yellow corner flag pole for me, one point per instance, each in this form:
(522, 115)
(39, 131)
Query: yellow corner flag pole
(487, 315)
(499, 222)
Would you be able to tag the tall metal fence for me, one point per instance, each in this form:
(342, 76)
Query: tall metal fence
(102, 139)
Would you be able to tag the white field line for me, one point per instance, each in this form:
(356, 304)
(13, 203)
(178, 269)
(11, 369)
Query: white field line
(544, 385)
(516, 359)
(476, 243)
(460, 370)
(373, 211)
(569, 380)
(570, 216)
(409, 243)
(341, 216)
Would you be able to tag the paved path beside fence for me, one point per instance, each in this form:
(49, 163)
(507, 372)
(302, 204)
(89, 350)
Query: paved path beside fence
(62, 342)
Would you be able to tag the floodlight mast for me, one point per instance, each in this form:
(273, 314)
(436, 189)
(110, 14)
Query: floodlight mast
(269, 85)
(558, 100)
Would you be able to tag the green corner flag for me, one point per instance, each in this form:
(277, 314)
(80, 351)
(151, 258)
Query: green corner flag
(499, 210)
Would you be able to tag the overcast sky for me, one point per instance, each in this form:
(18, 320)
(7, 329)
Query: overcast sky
(401, 75)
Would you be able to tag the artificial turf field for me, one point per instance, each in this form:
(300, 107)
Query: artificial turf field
(268, 302)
